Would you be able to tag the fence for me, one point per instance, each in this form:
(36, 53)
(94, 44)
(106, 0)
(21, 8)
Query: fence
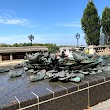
(101, 50)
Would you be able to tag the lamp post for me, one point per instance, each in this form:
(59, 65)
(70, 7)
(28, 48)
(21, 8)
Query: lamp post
(31, 37)
(77, 37)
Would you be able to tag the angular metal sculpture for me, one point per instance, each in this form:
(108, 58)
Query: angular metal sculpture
(64, 69)
(15, 73)
(40, 75)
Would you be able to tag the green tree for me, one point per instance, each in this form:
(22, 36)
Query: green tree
(20, 45)
(91, 24)
(52, 48)
(3, 45)
(105, 22)
(24, 44)
(15, 45)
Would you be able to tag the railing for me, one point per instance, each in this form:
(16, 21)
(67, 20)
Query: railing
(101, 50)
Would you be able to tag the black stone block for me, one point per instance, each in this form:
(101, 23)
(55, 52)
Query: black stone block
(99, 93)
(99, 79)
(90, 81)
(32, 108)
(69, 87)
(1, 106)
(58, 91)
(42, 97)
(77, 101)
(40, 90)
(81, 84)
(105, 75)
(96, 77)
(9, 103)
(27, 100)
(53, 86)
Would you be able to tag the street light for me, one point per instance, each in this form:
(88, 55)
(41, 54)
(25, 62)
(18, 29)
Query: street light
(77, 37)
(31, 37)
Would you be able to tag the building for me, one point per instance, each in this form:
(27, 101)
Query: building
(12, 53)
(67, 50)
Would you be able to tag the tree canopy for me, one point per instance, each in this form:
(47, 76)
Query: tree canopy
(51, 47)
(91, 24)
(105, 22)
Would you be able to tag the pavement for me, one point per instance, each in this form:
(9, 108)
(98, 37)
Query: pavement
(102, 106)
(10, 62)
(105, 105)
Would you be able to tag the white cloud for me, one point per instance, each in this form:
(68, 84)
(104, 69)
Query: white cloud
(7, 11)
(9, 17)
(17, 21)
(69, 24)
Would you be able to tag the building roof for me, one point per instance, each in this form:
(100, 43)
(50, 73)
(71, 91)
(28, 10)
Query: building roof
(66, 48)
(22, 49)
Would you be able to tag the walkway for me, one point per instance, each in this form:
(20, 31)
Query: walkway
(105, 105)
(8, 62)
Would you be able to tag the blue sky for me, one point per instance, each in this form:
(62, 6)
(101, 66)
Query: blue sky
(50, 21)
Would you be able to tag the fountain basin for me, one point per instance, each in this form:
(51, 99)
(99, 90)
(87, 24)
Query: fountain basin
(21, 94)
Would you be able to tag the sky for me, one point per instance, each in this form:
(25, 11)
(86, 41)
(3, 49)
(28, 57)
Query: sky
(49, 21)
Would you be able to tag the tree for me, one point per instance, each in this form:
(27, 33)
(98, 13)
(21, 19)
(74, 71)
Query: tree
(91, 24)
(3, 45)
(15, 45)
(20, 45)
(105, 23)
(24, 44)
(52, 48)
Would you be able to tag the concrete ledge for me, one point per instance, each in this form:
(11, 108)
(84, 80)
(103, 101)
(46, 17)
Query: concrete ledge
(22, 49)
(10, 62)
(20, 94)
